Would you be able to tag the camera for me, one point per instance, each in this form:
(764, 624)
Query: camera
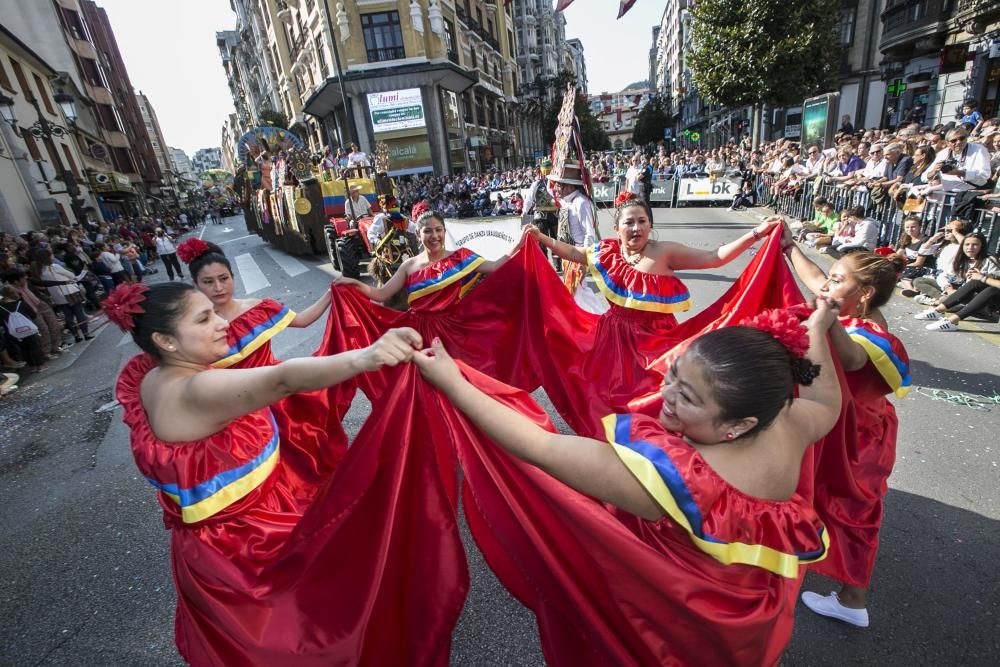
(948, 166)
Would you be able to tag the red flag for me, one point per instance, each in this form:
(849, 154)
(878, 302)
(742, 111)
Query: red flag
(624, 7)
(563, 4)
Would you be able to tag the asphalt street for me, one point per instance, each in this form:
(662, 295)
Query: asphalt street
(84, 569)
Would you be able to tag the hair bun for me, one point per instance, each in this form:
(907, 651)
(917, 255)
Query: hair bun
(804, 371)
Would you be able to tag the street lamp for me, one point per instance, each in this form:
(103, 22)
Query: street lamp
(43, 129)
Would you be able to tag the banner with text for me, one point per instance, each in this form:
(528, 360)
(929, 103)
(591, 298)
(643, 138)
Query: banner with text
(488, 237)
(706, 189)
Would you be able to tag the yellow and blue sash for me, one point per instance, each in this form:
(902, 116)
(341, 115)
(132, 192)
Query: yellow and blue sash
(620, 295)
(464, 272)
(893, 370)
(210, 497)
(654, 469)
(256, 337)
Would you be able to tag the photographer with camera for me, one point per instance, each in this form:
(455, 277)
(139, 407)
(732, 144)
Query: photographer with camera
(962, 166)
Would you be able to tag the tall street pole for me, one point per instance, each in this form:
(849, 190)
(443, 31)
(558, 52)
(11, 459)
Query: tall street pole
(340, 77)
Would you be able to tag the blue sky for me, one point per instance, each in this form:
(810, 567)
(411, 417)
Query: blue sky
(169, 49)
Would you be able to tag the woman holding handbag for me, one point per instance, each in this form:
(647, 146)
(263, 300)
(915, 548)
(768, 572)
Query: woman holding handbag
(66, 295)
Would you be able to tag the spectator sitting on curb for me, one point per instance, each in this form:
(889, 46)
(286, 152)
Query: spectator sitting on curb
(863, 232)
(22, 327)
(982, 286)
(945, 246)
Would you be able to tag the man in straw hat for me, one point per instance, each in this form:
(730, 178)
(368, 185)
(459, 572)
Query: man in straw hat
(577, 226)
(356, 206)
(540, 206)
(576, 211)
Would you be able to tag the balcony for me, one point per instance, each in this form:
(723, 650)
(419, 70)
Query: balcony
(911, 27)
(388, 53)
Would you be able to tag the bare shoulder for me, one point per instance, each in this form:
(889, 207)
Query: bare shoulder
(247, 304)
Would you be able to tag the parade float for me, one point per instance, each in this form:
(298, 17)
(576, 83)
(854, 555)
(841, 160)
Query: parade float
(289, 199)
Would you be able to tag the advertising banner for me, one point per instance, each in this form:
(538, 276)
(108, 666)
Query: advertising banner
(705, 189)
(396, 110)
(604, 192)
(819, 120)
(663, 189)
(489, 237)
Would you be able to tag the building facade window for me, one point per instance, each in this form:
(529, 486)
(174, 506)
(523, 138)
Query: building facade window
(383, 36)
(845, 26)
(43, 94)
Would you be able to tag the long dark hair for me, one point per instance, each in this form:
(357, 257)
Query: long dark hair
(162, 307)
(962, 263)
(751, 374)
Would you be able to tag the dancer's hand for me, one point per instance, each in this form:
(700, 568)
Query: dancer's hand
(764, 228)
(438, 368)
(396, 346)
(787, 240)
(352, 282)
(826, 313)
(532, 230)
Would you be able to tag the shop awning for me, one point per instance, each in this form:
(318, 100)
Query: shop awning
(448, 75)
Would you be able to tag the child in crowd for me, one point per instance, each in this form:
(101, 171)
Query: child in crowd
(824, 220)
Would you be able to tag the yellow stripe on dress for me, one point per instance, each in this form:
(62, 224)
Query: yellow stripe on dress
(449, 277)
(728, 553)
(883, 362)
(245, 349)
(626, 298)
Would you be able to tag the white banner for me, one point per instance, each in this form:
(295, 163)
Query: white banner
(705, 189)
(488, 237)
(396, 110)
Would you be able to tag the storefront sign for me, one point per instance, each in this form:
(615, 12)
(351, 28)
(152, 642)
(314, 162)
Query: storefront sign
(409, 155)
(396, 110)
(488, 237)
(705, 189)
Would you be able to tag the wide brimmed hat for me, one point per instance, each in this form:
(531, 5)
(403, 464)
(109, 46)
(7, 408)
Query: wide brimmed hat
(571, 175)
(356, 188)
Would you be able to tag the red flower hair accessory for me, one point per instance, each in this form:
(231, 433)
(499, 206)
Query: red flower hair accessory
(191, 250)
(625, 197)
(785, 327)
(124, 302)
(420, 209)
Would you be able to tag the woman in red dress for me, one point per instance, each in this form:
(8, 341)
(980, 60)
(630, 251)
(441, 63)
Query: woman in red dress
(636, 275)
(265, 573)
(701, 563)
(436, 281)
(852, 469)
(310, 423)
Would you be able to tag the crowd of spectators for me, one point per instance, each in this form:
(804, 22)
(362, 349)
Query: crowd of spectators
(53, 282)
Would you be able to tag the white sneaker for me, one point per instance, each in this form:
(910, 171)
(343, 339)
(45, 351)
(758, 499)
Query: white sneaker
(943, 325)
(830, 606)
(925, 300)
(929, 314)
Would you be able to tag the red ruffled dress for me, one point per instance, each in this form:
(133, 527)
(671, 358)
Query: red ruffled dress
(852, 473)
(433, 294)
(370, 571)
(712, 583)
(310, 424)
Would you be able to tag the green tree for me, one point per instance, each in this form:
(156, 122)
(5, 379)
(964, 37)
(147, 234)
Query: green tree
(749, 52)
(272, 117)
(652, 120)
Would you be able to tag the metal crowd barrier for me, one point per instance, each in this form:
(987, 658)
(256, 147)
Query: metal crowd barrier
(935, 214)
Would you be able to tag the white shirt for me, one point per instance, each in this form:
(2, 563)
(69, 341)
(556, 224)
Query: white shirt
(876, 170)
(377, 230)
(975, 162)
(865, 234)
(581, 218)
(112, 261)
(357, 208)
(56, 273)
(357, 159)
(632, 179)
(164, 246)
